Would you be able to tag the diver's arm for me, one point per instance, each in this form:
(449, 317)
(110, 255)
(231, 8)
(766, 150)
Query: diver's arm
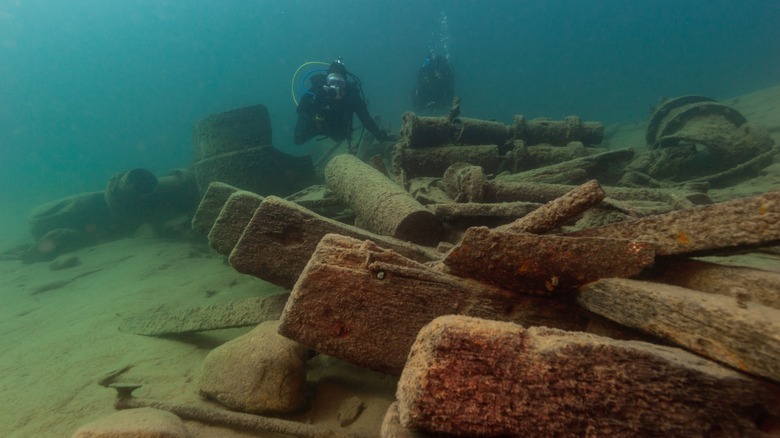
(368, 122)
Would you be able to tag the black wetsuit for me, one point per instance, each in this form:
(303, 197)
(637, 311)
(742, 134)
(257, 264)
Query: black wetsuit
(322, 114)
(435, 85)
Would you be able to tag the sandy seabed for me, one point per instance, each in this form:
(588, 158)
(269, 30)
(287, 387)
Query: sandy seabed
(59, 328)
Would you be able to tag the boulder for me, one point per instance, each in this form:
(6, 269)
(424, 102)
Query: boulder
(260, 372)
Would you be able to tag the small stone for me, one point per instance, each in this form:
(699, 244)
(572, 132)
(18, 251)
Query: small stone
(135, 423)
(350, 410)
(64, 263)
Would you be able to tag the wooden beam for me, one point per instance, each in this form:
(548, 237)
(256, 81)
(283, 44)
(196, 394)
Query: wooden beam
(740, 223)
(281, 237)
(746, 337)
(365, 304)
(543, 265)
(472, 377)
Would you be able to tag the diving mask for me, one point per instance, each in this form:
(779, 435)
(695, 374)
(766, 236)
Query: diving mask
(335, 85)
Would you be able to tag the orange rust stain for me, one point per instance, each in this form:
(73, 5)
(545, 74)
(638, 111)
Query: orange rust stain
(682, 238)
(525, 267)
(339, 330)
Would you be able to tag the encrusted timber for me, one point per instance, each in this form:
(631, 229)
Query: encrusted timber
(425, 132)
(281, 236)
(434, 161)
(472, 377)
(557, 132)
(365, 305)
(544, 265)
(742, 223)
(232, 220)
(422, 132)
(380, 205)
(214, 198)
(743, 336)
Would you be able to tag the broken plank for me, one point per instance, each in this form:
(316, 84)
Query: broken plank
(238, 313)
(735, 224)
(544, 265)
(559, 210)
(739, 282)
(745, 337)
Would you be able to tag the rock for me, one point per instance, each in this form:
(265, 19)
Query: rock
(135, 423)
(260, 372)
(64, 263)
(350, 410)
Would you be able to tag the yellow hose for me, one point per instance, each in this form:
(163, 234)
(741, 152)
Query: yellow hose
(292, 85)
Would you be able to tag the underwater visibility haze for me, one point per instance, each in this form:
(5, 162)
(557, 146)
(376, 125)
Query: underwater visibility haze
(92, 87)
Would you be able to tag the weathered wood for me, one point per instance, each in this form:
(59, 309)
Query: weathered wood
(479, 214)
(235, 147)
(743, 284)
(544, 265)
(235, 215)
(740, 223)
(210, 206)
(364, 304)
(319, 199)
(523, 157)
(464, 182)
(434, 161)
(472, 377)
(281, 237)
(425, 132)
(746, 337)
(238, 313)
(749, 168)
(381, 205)
(557, 132)
(589, 167)
(500, 190)
(554, 213)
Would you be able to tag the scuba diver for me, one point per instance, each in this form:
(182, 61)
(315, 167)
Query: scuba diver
(435, 84)
(328, 105)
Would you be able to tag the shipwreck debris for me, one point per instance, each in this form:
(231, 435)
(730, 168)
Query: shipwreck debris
(238, 313)
(365, 304)
(544, 265)
(741, 223)
(281, 237)
(744, 337)
(472, 377)
(381, 205)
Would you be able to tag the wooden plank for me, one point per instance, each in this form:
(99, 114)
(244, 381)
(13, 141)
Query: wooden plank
(210, 206)
(741, 283)
(238, 313)
(556, 212)
(365, 304)
(235, 215)
(543, 265)
(472, 377)
(739, 223)
(281, 237)
(746, 337)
